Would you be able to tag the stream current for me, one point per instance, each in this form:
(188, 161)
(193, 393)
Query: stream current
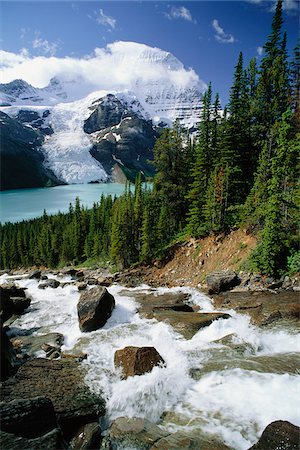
(230, 388)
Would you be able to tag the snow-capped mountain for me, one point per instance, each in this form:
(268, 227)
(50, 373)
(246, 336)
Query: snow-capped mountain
(125, 80)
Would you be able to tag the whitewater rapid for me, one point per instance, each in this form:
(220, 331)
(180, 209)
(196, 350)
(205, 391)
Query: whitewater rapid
(225, 398)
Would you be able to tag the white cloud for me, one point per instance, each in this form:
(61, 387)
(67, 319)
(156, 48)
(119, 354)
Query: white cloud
(288, 5)
(116, 67)
(221, 36)
(180, 12)
(103, 19)
(48, 48)
(24, 52)
(260, 50)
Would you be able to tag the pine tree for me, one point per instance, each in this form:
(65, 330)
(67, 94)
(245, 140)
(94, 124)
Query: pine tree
(272, 88)
(271, 253)
(202, 167)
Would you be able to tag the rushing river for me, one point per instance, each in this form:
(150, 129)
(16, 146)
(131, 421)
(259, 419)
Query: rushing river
(23, 204)
(228, 389)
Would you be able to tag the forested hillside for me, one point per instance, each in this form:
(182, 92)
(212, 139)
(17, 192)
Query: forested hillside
(240, 171)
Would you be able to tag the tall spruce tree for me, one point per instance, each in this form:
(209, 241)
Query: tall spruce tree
(204, 154)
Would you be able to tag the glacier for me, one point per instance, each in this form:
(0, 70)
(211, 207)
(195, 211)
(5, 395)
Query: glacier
(149, 81)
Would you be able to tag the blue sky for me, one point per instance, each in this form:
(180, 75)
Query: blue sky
(204, 35)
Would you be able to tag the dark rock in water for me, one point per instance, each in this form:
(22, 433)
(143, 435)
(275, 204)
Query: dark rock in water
(222, 281)
(49, 283)
(133, 432)
(50, 441)
(8, 356)
(20, 304)
(94, 308)
(87, 437)
(279, 435)
(35, 274)
(12, 301)
(62, 382)
(137, 360)
(28, 418)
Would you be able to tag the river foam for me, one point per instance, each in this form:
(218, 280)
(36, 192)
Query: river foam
(234, 403)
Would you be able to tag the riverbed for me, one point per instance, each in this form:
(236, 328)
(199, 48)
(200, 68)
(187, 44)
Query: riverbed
(230, 380)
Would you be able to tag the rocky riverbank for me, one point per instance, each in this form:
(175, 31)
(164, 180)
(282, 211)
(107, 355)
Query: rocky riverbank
(46, 400)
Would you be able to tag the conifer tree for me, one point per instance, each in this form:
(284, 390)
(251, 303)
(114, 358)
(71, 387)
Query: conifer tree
(202, 167)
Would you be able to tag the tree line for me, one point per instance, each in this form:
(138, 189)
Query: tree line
(240, 171)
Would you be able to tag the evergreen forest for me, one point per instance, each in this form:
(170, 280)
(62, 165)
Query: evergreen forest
(240, 171)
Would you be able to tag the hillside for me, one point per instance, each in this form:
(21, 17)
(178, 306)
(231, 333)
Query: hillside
(189, 263)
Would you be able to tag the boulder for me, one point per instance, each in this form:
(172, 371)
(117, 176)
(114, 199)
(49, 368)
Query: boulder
(87, 437)
(49, 441)
(34, 274)
(264, 307)
(173, 308)
(94, 308)
(105, 281)
(182, 441)
(69, 271)
(8, 355)
(28, 418)
(49, 283)
(220, 281)
(133, 432)
(150, 302)
(12, 301)
(62, 382)
(188, 323)
(81, 286)
(277, 435)
(137, 360)
(20, 304)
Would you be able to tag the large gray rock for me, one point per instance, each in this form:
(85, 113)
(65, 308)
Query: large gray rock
(51, 282)
(12, 301)
(94, 308)
(133, 432)
(62, 382)
(263, 307)
(28, 418)
(49, 441)
(183, 441)
(279, 435)
(137, 360)
(221, 281)
(8, 355)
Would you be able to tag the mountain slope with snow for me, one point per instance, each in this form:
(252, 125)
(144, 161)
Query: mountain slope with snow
(149, 84)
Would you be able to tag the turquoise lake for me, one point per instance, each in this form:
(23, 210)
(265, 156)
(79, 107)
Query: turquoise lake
(23, 204)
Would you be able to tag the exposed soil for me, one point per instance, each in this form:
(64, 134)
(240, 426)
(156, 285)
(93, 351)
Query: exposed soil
(193, 261)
